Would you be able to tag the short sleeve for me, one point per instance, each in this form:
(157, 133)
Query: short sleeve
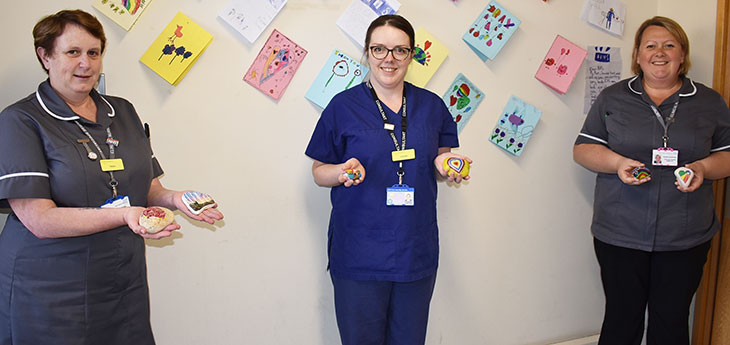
(448, 137)
(594, 128)
(23, 168)
(326, 145)
(721, 137)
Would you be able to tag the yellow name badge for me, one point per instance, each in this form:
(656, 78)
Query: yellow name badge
(112, 164)
(403, 155)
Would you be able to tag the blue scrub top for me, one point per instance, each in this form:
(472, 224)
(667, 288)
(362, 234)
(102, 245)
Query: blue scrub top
(367, 239)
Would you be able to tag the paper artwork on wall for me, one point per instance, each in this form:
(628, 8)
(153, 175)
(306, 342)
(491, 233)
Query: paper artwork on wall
(177, 48)
(462, 99)
(608, 15)
(561, 64)
(339, 73)
(358, 16)
(275, 65)
(604, 69)
(428, 55)
(515, 126)
(123, 12)
(491, 30)
(250, 17)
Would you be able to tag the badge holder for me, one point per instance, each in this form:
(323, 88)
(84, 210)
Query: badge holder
(665, 156)
(400, 195)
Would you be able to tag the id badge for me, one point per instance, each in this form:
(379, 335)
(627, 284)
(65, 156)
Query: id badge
(118, 202)
(112, 164)
(665, 156)
(399, 195)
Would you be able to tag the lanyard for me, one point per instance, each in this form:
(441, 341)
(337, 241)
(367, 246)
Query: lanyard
(112, 143)
(389, 127)
(669, 120)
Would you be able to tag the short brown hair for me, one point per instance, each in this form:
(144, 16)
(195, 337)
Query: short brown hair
(395, 21)
(47, 30)
(675, 29)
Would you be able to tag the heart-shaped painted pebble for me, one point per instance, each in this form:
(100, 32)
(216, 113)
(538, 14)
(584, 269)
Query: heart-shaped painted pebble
(457, 165)
(684, 176)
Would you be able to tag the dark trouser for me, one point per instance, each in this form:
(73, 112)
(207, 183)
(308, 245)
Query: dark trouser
(663, 281)
(381, 312)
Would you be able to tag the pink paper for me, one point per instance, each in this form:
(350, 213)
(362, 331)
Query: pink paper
(275, 65)
(561, 64)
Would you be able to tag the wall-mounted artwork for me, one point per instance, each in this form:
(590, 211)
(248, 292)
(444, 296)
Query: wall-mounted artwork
(603, 69)
(462, 99)
(608, 15)
(428, 55)
(339, 73)
(515, 126)
(275, 65)
(561, 64)
(358, 16)
(123, 12)
(491, 30)
(177, 48)
(250, 17)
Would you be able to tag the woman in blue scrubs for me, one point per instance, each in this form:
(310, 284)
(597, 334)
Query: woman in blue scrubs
(72, 272)
(383, 233)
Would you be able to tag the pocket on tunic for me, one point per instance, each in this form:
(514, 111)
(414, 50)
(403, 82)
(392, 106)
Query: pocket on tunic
(48, 300)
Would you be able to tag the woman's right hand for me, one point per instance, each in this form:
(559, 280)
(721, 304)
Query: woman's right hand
(625, 170)
(131, 216)
(351, 164)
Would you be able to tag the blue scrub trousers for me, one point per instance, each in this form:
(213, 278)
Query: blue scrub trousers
(373, 312)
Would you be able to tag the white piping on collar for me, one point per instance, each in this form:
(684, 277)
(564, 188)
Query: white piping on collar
(70, 118)
(694, 88)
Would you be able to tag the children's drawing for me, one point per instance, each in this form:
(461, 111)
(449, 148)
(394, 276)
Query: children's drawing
(339, 73)
(250, 17)
(428, 55)
(462, 99)
(123, 12)
(491, 30)
(177, 48)
(515, 126)
(561, 64)
(358, 16)
(275, 65)
(608, 15)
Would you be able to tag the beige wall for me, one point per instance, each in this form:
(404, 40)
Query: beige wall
(517, 263)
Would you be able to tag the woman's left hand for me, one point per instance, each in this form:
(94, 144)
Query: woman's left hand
(699, 176)
(450, 176)
(209, 215)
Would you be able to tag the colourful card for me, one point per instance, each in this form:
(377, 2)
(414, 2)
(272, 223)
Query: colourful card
(491, 30)
(462, 99)
(515, 126)
(123, 12)
(339, 73)
(608, 15)
(561, 64)
(428, 55)
(177, 48)
(275, 65)
(250, 17)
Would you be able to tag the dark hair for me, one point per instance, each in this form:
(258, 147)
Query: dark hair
(675, 29)
(47, 30)
(395, 21)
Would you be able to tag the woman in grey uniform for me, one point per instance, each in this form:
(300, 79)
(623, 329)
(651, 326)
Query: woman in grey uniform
(77, 170)
(651, 234)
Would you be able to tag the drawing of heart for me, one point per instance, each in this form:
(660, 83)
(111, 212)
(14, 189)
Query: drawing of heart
(476, 33)
(426, 45)
(489, 43)
(453, 100)
(499, 36)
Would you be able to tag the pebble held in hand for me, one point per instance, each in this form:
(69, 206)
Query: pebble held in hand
(457, 165)
(155, 218)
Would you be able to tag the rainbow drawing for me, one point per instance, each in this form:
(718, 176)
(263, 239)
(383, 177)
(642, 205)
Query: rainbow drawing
(131, 5)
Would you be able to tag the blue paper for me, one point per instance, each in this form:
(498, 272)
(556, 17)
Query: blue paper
(491, 30)
(339, 73)
(515, 126)
(462, 99)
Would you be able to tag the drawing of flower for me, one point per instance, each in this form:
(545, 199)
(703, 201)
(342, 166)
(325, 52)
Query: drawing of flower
(169, 48)
(178, 51)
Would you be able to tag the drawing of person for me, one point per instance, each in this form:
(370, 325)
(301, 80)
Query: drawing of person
(609, 17)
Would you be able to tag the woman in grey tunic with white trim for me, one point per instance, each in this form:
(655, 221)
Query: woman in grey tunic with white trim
(72, 272)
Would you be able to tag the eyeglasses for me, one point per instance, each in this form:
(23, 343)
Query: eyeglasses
(399, 53)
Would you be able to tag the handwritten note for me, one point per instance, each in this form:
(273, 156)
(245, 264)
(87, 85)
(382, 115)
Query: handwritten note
(356, 18)
(604, 69)
(250, 17)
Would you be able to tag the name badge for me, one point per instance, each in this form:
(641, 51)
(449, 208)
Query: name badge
(665, 156)
(399, 195)
(112, 164)
(403, 155)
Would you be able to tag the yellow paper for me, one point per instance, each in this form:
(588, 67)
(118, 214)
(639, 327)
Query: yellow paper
(112, 164)
(177, 48)
(428, 55)
(403, 155)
